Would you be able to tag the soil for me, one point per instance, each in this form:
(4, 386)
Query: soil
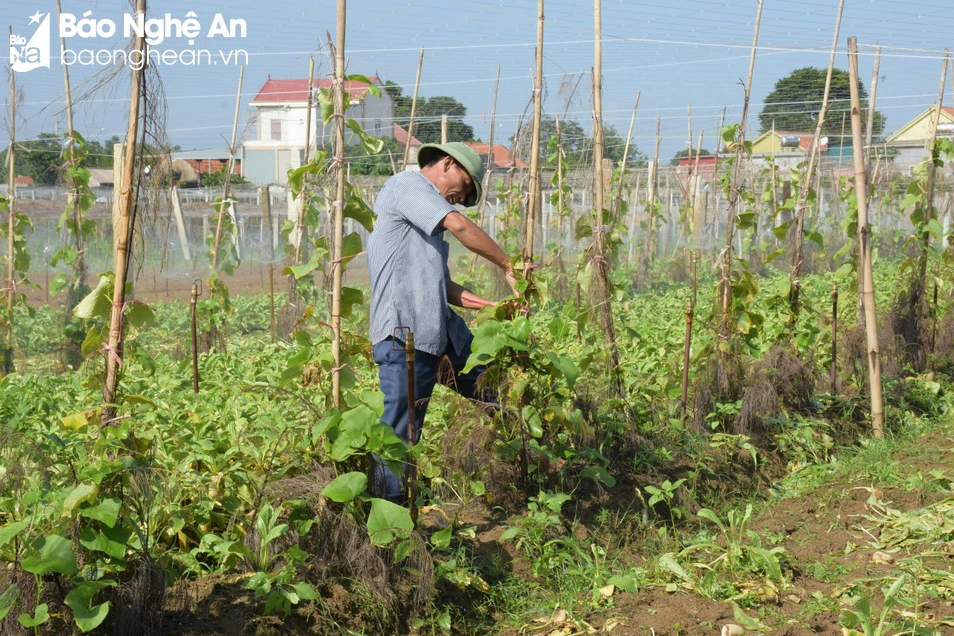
(821, 531)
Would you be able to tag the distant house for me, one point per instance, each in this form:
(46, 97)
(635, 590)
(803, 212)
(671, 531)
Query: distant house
(400, 136)
(100, 177)
(208, 161)
(23, 181)
(277, 143)
(788, 148)
(910, 141)
(703, 165)
(502, 157)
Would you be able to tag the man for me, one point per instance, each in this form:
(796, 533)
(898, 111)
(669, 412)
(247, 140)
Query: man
(411, 285)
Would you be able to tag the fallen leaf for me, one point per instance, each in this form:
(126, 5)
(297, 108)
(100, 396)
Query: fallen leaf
(607, 591)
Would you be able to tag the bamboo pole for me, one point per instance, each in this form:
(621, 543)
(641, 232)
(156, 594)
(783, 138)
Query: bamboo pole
(122, 234)
(443, 128)
(300, 225)
(491, 160)
(622, 168)
(697, 213)
(654, 186)
(932, 174)
(806, 182)
(410, 123)
(864, 238)
(338, 235)
(599, 192)
(74, 202)
(226, 205)
(834, 340)
(533, 204)
(736, 173)
(11, 225)
(872, 95)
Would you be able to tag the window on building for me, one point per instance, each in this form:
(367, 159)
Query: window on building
(377, 127)
(276, 130)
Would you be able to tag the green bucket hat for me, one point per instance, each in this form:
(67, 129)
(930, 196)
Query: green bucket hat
(465, 156)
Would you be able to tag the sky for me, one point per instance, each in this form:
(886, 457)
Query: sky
(676, 54)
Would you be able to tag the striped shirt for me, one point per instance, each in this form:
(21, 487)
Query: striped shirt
(407, 266)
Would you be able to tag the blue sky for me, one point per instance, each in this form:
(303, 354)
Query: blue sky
(677, 53)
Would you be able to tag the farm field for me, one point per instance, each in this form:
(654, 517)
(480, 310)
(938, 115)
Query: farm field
(629, 519)
(716, 396)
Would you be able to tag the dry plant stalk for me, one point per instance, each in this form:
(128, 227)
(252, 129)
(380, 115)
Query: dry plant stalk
(864, 244)
(226, 206)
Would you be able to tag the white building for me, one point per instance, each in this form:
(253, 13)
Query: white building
(277, 139)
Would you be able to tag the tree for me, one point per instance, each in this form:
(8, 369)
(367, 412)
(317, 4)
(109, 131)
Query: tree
(38, 158)
(378, 164)
(427, 117)
(794, 103)
(685, 152)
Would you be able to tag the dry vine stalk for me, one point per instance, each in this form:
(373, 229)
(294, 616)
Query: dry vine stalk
(7, 362)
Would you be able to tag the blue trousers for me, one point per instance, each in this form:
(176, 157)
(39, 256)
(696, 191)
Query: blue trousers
(429, 369)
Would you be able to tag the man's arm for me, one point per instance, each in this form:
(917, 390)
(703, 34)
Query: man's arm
(460, 296)
(477, 241)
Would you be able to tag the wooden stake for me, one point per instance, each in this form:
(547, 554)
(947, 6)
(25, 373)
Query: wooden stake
(491, 161)
(869, 129)
(11, 224)
(600, 194)
(122, 235)
(736, 174)
(622, 168)
(410, 123)
(864, 238)
(226, 206)
(443, 128)
(834, 340)
(338, 234)
(653, 192)
(806, 183)
(193, 303)
(74, 202)
(533, 204)
(300, 224)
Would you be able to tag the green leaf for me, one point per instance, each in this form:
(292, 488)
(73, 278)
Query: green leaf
(139, 315)
(99, 302)
(52, 553)
(844, 271)
(625, 583)
(387, 521)
(305, 592)
(40, 616)
(8, 599)
(83, 492)
(350, 297)
(93, 341)
(356, 208)
(566, 366)
(58, 284)
(12, 530)
(74, 422)
(667, 562)
(441, 539)
(747, 621)
(533, 421)
(111, 541)
(372, 87)
(816, 238)
(106, 511)
(88, 617)
(346, 487)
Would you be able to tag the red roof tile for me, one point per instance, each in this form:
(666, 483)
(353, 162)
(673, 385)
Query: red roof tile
(400, 136)
(296, 90)
(502, 158)
(804, 139)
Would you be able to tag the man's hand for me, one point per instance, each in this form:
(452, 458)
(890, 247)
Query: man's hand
(512, 280)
